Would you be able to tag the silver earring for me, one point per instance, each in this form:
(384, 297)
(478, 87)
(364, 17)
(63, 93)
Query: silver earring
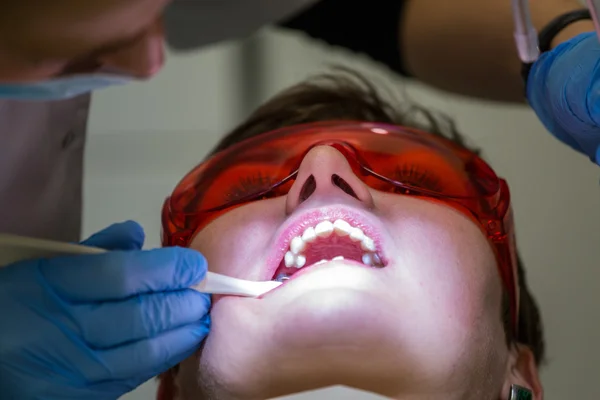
(520, 393)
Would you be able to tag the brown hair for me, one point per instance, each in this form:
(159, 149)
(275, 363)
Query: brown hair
(347, 95)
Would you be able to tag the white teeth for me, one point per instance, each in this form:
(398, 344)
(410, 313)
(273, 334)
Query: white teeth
(356, 235)
(367, 244)
(324, 229)
(341, 227)
(289, 259)
(297, 245)
(300, 261)
(376, 259)
(309, 235)
(295, 258)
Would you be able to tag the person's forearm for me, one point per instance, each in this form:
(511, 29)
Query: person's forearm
(467, 46)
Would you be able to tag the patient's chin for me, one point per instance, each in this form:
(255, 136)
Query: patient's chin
(323, 338)
(337, 305)
(333, 318)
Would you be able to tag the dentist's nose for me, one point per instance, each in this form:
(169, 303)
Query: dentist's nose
(143, 57)
(325, 174)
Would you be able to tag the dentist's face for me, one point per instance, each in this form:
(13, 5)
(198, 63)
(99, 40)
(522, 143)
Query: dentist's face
(61, 37)
(413, 309)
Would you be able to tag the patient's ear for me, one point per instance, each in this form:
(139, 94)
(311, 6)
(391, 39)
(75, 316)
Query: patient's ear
(523, 371)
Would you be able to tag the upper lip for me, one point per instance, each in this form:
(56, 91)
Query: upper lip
(295, 227)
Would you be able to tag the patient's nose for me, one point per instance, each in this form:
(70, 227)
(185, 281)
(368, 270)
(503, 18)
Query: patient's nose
(142, 58)
(326, 175)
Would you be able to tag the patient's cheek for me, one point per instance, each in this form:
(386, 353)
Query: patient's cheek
(216, 298)
(238, 242)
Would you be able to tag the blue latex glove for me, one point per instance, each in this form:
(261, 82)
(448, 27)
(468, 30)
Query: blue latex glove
(564, 90)
(97, 326)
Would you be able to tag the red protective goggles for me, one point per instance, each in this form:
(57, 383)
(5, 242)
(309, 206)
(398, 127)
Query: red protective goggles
(385, 157)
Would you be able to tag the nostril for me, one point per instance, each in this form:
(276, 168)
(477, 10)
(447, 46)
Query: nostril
(308, 188)
(342, 184)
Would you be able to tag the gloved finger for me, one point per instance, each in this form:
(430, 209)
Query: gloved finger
(118, 275)
(580, 91)
(550, 116)
(128, 235)
(152, 356)
(562, 88)
(139, 317)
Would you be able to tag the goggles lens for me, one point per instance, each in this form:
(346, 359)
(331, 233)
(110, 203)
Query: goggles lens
(386, 158)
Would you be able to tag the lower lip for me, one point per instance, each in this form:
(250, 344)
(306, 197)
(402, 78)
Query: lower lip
(328, 264)
(305, 270)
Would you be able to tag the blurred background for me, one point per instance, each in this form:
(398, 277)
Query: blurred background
(145, 137)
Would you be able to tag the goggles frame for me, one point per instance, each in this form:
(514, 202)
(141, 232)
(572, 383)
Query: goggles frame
(489, 207)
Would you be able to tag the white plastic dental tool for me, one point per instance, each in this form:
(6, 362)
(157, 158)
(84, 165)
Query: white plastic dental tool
(15, 248)
(526, 36)
(594, 7)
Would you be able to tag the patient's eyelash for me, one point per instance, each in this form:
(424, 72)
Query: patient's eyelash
(408, 174)
(413, 175)
(249, 184)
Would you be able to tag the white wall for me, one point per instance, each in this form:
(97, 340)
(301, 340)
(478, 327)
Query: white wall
(144, 137)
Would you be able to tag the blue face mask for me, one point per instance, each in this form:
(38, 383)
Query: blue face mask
(61, 88)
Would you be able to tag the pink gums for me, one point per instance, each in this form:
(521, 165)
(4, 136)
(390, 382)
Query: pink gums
(325, 249)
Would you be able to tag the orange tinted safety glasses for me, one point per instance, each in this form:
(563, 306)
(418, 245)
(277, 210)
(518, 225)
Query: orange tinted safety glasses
(388, 158)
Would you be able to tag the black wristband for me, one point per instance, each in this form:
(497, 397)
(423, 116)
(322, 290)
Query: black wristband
(547, 35)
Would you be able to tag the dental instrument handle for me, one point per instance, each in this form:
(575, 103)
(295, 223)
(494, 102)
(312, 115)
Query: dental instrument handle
(14, 248)
(594, 7)
(525, 34)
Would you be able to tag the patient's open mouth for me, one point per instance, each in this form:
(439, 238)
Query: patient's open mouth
(326, 241)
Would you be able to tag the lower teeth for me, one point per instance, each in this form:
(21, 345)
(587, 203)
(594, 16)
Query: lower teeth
(282, 277)
(369, 259)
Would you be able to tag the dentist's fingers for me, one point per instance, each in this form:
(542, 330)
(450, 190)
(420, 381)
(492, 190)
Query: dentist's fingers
(140, 317)
(118, 275)
(151, 357)
(128, 235)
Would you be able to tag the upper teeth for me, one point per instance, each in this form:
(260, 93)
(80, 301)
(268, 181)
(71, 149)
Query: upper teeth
(324, 229)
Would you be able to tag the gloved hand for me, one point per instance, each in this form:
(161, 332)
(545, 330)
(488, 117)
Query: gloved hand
(97, 326)
(564, 90)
